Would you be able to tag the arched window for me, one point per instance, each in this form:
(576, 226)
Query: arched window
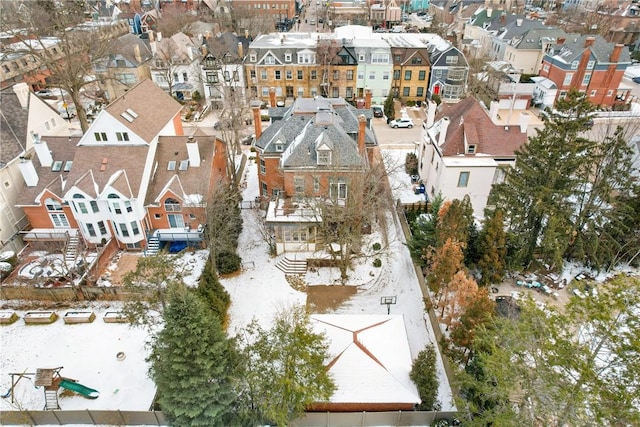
(172, 205)
(53, 205)
(78, 196)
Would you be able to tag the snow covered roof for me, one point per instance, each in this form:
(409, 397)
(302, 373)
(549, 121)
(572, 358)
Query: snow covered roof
(369, 361)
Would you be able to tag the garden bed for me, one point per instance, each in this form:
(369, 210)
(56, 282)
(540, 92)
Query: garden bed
(114, 317)
(40, 317)
(73, 317)
(8, 317)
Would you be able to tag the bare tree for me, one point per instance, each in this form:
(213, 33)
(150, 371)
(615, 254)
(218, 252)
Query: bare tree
(249, 21)
(170, 59)
(48, 35)
(327, 53)
(174, 20)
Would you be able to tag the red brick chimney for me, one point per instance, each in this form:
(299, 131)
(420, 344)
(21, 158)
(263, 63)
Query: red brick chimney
(257, 122)
(561, 40)
(272, 97)
(362, 124)
(367, 99)
(589, 41)
(615, 54)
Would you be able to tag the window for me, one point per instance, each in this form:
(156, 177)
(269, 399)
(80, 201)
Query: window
(420, 91)
(263, 74)
(252, 74)
(463, 179)
(372, 75)
(252, 57)
(53, 205)
(385, 75)
(122, 136)
(567, 79)
(100, 136)
(226, 75)
(116, 208)
(586, 79)
(263, 189)
(127, 205)
(335, 92)
(360, 75)
(46, 124)
(172, 205)
(349, 92)
(269, 60)
(265, 91)
(545, 68)
(123, 230)
(590, 65)
(300, 92)
(306, 58)
(407, 75)
(452, 60)
(594, 93)
(91, 230)
(314, 75)
(59, 220)
(263, 168)
(316, 184)
(126, 78)
(563, 94)
(277, 74)
(338, 189)
(336, 74)
(396, 74)
(406, 91)
(324, 157)
(82, 207)
(416, 60)
(298, 185)
(471, 149)
(609, 93)
(289, 74)
(295, 234)
(134, 228)
(574, 65)
(300, 75)
(349, 74)
(361, 57)
(213, 77)
(287, 57)
(379, 58)
(102, 228)
(422, 75)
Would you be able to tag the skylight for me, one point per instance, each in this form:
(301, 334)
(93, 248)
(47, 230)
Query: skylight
(172, 165)
(67, 165)
(57, 166)
(126, 116)
(132, 113)
(184, 165)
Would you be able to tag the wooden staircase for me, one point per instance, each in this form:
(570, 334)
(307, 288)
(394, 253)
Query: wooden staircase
(292, 266)
(51, 400)
(153, 246)
(71, 251)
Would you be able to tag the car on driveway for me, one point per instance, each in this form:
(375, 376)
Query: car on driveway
(377, 111)
(636, 79)
(401, 123)
(46, 94)
(247, 140)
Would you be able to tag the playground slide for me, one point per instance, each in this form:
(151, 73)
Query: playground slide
(81, 389)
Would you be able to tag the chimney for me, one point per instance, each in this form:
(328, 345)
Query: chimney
(257, 122)
(431, 113)
(589, 41)
(444, 125)
(519, 22)
(22, 92)
(151, 36)
(489, 12)
(240, 50)
(194, 153)
(42, 150)
(503, 19)
(367, 98)
(362, 125)
(524, 121)
(561, 40)
(159, 36)
(272, 97)
(615, 54)
(28, 171)
(136, 53)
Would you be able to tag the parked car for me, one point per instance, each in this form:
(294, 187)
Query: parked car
(401, 123)
(377, 111)
(636, 79)
(247, 140)
(46, 94)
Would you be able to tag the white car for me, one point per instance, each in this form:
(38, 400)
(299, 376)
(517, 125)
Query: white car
(401, 123)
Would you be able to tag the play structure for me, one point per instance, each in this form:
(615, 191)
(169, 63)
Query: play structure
(51, 380)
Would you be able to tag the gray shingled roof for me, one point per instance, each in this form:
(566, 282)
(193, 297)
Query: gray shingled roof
(309, 122)
(573, 47)
(13, 126)
(531, 39)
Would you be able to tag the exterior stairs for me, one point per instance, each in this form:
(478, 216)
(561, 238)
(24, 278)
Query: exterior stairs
(153, 246)
(51, 400)
(292, 266)
(71, 251)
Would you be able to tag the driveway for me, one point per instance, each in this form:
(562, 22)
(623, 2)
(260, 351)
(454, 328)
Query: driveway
(400, 138)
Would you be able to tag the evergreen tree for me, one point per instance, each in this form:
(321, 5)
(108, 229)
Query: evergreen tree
(190, 363)
(389, 107)
(492, 249)
(424, 375)
(423, 232)
(543, 179)
(213, 293)
(285, 370)
(578, 367)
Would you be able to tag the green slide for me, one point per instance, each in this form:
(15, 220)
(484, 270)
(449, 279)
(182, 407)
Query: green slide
(81, 389)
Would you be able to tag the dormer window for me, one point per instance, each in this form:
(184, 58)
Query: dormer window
(279, 147)
(361, 57)
(269, 60)
(252, 57)
(324, 157)
(471, 149)
(287, 57)
(574, 65)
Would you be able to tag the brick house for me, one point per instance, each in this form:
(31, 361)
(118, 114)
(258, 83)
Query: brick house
(312, 150)
(133, 177)
(590, 65)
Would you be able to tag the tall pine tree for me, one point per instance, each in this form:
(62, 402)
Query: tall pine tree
(190, 363)
(492, 249)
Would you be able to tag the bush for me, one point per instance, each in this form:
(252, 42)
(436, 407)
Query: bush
(377, 263)
(377, 246)
(264, 118)
(436, 99)
(227, 262)
(196, 96)
(411, 164)
(411, 103)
